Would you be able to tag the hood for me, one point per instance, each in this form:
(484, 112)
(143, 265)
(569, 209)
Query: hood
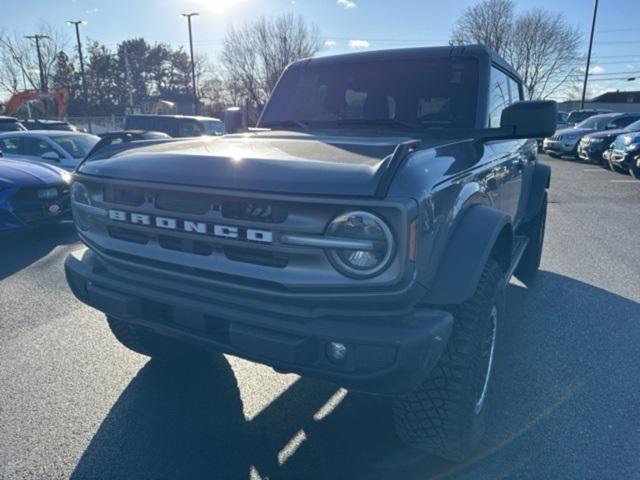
(607, 133)
(24, 173)
(283, 162)
(573, 131)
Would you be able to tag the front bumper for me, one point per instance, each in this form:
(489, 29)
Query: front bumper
(559, 147)
(17, 216)
(624, 158)
(388, 352)
(591, 152)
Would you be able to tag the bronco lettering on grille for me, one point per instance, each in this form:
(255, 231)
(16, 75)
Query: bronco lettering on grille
(189, 226)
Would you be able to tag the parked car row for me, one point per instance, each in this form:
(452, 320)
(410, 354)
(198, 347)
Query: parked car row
(38, 156)
(610, 139)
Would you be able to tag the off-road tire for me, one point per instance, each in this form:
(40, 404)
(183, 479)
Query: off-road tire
(149, 344)
(444, 415)
(534, 230)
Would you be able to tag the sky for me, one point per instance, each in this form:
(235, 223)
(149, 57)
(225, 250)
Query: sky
(345, 25)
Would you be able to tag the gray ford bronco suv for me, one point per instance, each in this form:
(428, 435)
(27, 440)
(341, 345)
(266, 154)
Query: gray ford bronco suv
(363, 233)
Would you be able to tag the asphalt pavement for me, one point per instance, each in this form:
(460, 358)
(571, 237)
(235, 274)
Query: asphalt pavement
(564, 401)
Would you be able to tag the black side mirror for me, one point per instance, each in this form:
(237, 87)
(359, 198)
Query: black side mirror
(233, 120)
(530, 119)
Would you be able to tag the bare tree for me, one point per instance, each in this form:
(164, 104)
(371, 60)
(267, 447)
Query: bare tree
(489, 22)
(19, 59)
(541, 45)
(544, 50)
(254, 56)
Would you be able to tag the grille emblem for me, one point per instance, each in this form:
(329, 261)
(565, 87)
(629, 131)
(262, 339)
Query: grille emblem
(189, 226)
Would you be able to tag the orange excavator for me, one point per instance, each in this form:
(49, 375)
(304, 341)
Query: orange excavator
(47, 104)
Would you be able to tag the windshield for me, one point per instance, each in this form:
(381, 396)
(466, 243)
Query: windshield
(423, 92)
(596, 123)
(76, 145)
(633, 127)
(577, 117)
(213, 128)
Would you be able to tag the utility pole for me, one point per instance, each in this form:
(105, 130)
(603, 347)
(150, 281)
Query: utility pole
(77, 24)
(586, 72)
(193, 67)
(37, 38)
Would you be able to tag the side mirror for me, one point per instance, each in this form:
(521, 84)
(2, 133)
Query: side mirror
(50, 155)
(530, 119)
(1, 154)
(233, 120)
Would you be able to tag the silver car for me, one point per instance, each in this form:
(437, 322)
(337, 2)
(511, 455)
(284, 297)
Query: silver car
(59, 148)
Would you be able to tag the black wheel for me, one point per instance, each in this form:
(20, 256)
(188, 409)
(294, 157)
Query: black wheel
(147, 343)
(634, 170)
(553, 155)
(616, 168)
(534, 230)
(444, 416)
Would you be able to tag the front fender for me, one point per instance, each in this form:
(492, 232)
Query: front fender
(479, 230)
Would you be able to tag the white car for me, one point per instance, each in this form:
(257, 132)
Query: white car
(59, 148)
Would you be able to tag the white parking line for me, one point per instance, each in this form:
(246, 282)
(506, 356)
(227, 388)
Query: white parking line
(594, 170)
(624, 181)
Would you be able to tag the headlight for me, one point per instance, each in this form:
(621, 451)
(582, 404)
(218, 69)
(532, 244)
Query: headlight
(377, 239)
(627, 140)
(80, 195)
(66, 177)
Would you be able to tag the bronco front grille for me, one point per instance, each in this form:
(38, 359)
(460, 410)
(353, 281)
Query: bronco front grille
(227, 232)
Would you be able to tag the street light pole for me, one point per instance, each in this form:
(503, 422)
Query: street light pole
(586, 72)
(193, 67)
(76, 24)
(37, 38)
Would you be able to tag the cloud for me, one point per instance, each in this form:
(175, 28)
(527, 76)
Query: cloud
(347, 3)
(358, 44)
(329, 43)
(596, 69)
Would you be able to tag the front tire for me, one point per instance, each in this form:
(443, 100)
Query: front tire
(634, 170)
(444, 416)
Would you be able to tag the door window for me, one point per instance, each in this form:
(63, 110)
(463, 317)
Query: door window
(499, 97)
(189, 129)
(36, 147)
(11, 146)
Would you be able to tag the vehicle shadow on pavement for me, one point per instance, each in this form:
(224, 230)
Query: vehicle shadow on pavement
(21, 249)
(552, 363)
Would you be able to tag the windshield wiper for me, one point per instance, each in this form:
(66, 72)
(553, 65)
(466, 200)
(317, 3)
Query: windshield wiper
(286, 123)
(390, 122)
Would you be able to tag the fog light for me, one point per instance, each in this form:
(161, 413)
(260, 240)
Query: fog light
(336, 352)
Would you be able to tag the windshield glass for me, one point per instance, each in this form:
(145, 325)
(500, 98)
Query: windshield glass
(577, 117)
(596, 123)
(439, 92)
(76, 145)
(633, 127)
(213, 128)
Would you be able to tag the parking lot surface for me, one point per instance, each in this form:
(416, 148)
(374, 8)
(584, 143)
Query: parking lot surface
(563, 404)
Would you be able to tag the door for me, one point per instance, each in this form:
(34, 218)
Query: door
(513, 158)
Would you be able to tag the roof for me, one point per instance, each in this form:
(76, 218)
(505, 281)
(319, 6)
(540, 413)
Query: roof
(43, 133)
(416, 52)
(189, 117)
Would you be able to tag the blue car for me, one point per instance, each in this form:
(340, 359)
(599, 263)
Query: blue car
(32, 194)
